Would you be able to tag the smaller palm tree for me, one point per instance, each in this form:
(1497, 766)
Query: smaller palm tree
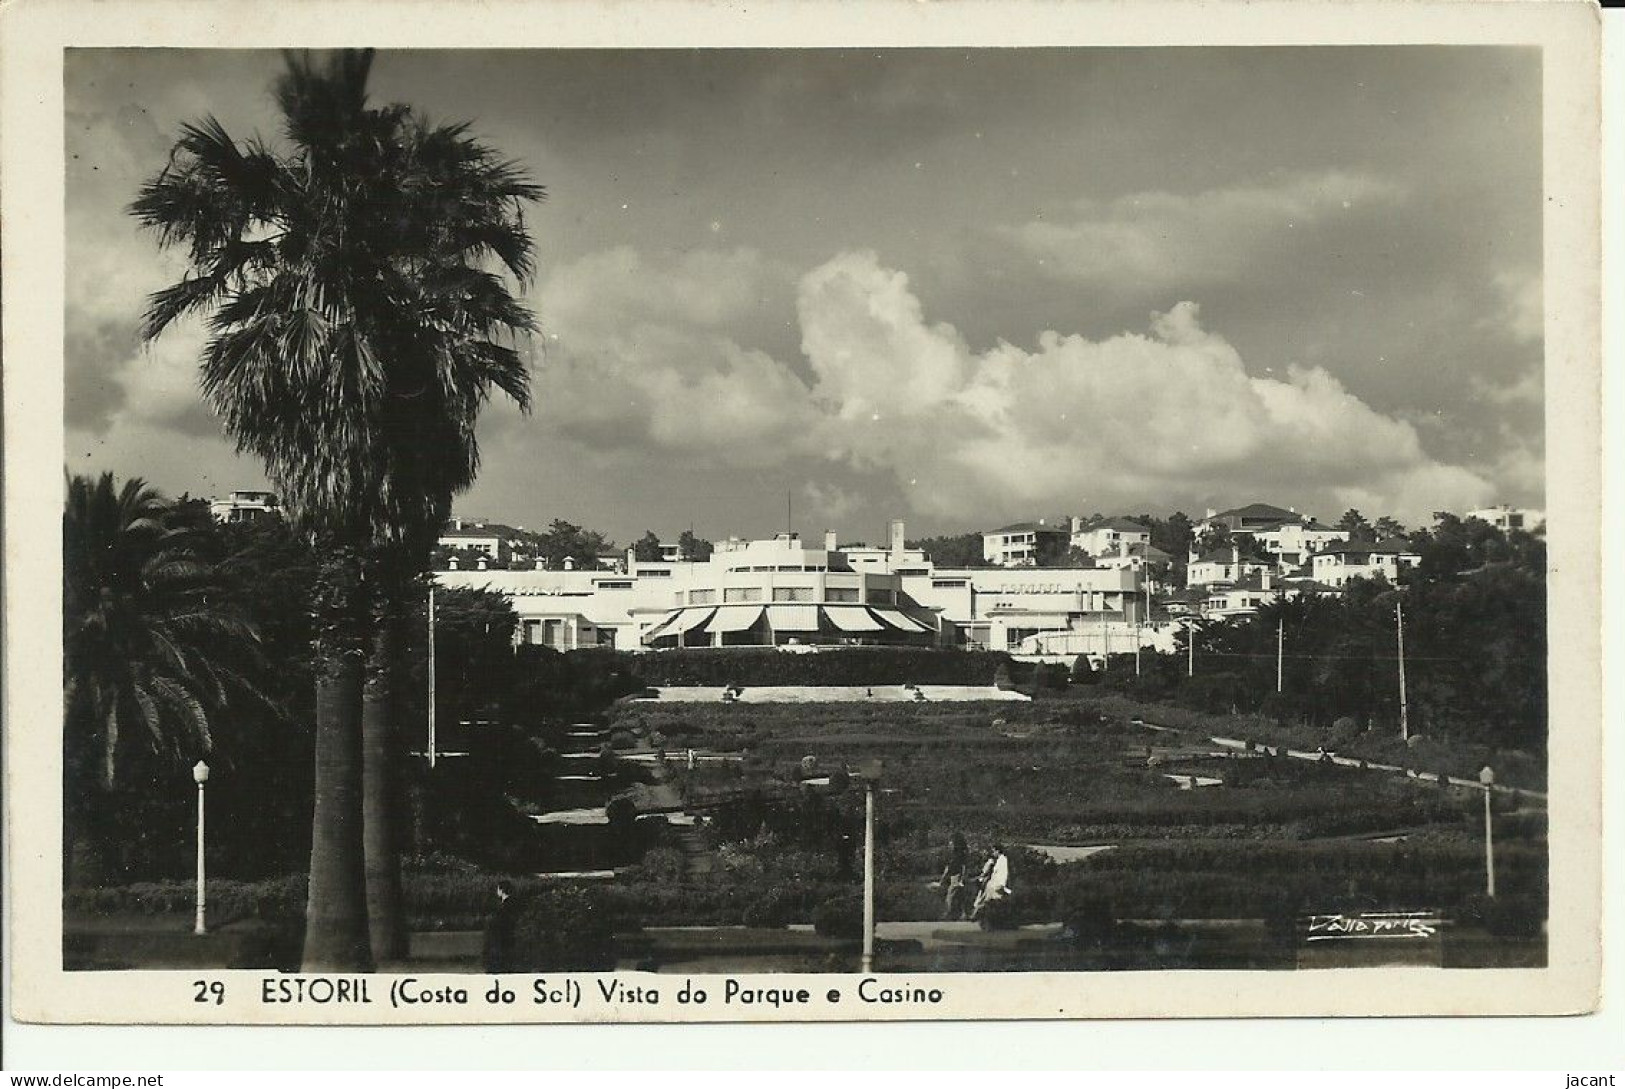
(151, 649)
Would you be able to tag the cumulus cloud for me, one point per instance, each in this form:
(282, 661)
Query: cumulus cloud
(636, 354)
(1523, 302)
(1159, 238)
(1170, 415)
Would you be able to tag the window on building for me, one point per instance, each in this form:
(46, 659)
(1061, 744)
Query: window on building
(793, 593)
(948, 584)
(616, 584)
(882, 597)
(655, 572)
(742, 593)
(841, 593)
(702, 597)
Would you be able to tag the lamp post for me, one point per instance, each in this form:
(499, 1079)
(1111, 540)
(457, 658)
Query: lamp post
(200, 775)
(434, 743)
(868, 876)
(869, 772)
(1487, 777)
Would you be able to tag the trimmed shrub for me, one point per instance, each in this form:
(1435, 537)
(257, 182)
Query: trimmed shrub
(563, 930)
(839, 917)
(663, 865)
(774, 908)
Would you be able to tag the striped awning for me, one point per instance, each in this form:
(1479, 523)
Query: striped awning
(689, 619)
(736, 617)
(660, 629)
(853, 618)
(793, 617)
(899, 621)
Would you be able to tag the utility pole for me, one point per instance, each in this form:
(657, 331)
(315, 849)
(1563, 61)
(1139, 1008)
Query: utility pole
(1404, 711)
(1280, 651)
(1139, 631)
(1190, 650)
(432, 740)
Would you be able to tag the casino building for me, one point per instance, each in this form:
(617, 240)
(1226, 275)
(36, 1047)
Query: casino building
(781, 593)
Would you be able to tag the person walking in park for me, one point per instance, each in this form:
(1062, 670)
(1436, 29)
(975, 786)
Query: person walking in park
(953, 882)
(995, 886)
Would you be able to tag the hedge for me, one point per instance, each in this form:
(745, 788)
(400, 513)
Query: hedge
(846, 666)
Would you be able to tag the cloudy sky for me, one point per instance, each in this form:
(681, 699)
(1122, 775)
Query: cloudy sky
(956, 287)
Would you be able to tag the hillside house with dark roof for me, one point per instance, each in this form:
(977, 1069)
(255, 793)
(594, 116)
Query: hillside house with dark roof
(1337, 563)
(1223, 565)
(1248, 519)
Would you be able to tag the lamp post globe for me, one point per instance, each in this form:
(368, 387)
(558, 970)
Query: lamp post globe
(200, 773)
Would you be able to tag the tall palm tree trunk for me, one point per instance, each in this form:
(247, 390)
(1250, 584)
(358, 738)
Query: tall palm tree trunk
(336, 932)
(381, 796)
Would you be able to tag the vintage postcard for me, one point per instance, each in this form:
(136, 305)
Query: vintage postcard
(692, 512)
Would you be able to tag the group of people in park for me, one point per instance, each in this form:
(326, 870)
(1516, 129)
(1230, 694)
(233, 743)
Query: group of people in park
(976, 897)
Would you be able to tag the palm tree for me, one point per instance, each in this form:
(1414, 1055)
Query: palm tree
(360, 319)
(150, 650)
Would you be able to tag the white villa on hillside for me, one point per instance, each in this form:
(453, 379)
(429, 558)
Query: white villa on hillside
(1336, 564)
(1102, 536)
(1506, 518)
(245, 506)
(1018, 545)
(1222, 565)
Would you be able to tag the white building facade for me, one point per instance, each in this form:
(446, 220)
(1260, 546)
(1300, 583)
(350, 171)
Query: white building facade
(781, 593)
(1335, 565)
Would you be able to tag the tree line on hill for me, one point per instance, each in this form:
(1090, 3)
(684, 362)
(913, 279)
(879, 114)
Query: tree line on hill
(1475, 647)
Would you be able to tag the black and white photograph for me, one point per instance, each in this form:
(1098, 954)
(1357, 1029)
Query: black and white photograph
(840, 529)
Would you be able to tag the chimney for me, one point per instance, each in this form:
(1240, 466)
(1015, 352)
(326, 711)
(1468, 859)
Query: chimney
(1264, 579)
(897, 535)
(830, 543)
(1235, 557)
(1122, 546)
